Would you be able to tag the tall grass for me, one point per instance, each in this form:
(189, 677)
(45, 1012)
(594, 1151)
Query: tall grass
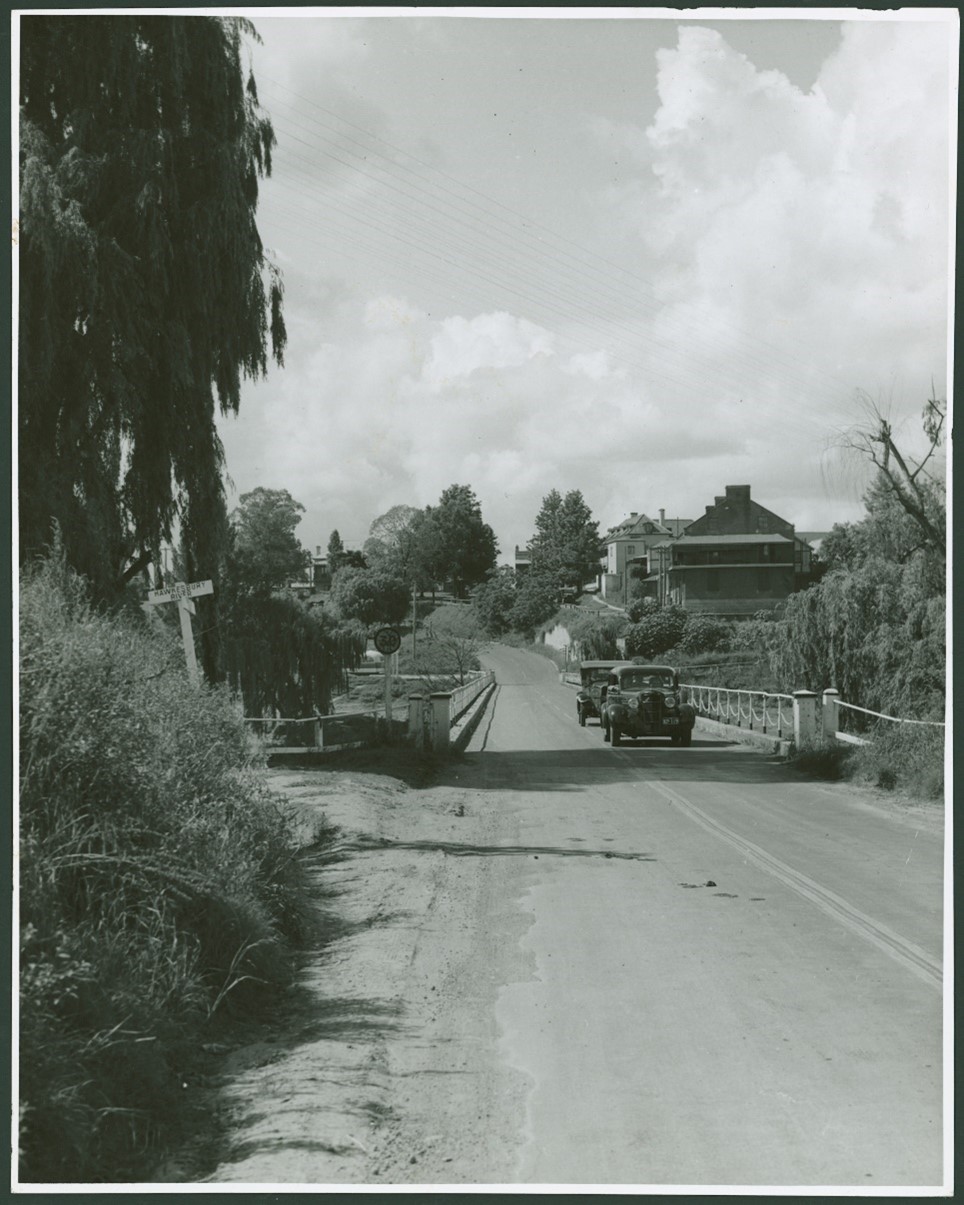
(160, 887)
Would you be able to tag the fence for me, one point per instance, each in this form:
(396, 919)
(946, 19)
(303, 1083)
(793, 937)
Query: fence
(833, 721)
(755, 710)
(426, 719)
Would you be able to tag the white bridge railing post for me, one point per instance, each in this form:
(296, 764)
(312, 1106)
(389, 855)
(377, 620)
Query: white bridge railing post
(831, 714)
(805, 717)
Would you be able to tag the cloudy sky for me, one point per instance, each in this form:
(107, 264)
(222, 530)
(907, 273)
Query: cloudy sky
(640, 257)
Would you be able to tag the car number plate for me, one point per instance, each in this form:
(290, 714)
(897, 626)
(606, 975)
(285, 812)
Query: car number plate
(672, 721)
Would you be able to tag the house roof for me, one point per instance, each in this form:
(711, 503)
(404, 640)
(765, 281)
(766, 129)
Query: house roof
(748, 537)
(632, 527)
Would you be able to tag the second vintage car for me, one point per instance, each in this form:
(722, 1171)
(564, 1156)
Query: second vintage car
(644, 700)
(594, 675)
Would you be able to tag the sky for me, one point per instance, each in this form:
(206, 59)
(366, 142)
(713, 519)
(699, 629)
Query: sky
(639, 257)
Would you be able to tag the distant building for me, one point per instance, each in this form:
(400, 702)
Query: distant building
(628, 555)
(523, 559)
(736, 559)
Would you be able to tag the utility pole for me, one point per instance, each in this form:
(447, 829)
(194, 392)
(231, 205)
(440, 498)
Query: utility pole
(414, 624)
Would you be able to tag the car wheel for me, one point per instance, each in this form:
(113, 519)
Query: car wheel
(675, 740)
(582, 718)
(686, 738)
(617, 737)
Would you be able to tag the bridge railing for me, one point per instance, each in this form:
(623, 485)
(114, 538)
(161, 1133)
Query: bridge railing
(834, 723)
(755, 710)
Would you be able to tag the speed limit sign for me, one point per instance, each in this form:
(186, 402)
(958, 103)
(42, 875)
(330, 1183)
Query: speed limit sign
(388, 640)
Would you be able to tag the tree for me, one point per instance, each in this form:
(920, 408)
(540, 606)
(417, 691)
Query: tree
(455, 631)
(911, 482)
(566, 542)
(464, 548)
(336, 553)
(494, 599)
(145, 293)
(874, 626)
(369, 595)
(284, 657)
(265, 553)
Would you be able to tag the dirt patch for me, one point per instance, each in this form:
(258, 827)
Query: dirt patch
(379, 1067)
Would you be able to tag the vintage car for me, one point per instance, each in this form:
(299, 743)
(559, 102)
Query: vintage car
(644, 700)
(595, 675)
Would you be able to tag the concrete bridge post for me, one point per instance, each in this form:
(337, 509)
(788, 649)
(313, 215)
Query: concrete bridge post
(806, 720)
(441, 700)
(831, 714)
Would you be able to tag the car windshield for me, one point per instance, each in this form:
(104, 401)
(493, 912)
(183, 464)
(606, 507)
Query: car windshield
(646, 679)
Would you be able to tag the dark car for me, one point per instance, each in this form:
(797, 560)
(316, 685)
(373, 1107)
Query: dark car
(644, 700)
(595, 675)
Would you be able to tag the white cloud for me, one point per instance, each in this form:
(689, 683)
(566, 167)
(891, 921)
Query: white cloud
(796, 244)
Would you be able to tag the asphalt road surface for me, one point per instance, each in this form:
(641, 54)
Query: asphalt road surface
(731, 976)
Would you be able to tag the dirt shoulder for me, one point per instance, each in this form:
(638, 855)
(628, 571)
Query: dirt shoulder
(383, 1070)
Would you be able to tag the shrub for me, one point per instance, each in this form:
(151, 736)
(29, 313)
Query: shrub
(905, 757)
(160, 886)
(656, 633)
(706, 634)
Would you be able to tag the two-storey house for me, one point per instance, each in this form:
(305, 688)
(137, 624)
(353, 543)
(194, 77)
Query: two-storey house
(736, 559)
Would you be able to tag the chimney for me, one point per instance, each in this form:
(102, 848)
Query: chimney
(662, 515)
(718, 500)
(738, 493)
(317, 550)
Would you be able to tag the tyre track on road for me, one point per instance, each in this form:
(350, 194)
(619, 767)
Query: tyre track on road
(907, 953)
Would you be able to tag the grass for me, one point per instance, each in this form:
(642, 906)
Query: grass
(162, 889)
(896, 758)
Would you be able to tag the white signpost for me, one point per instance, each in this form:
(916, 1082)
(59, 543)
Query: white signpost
(183, 593)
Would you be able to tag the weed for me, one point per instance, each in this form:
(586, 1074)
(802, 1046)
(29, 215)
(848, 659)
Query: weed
(161, 888)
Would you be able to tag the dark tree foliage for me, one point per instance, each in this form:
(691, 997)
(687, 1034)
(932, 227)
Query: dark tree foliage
(369, 596)
(145, 294)
(336, 552)
(656, 633)
(265, 553)
(284, 658)
(566, 542)
(465, 547)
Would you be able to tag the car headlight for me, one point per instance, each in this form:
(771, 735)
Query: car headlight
(670, 701)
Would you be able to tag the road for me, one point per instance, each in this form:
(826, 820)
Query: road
(572, 964)
(778, 1026)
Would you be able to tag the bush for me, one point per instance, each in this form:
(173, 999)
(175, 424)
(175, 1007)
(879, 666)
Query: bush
(706, 634)
(160, 886)
(656, 633)
(903, 756)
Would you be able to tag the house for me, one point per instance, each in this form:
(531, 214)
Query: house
(523, 559)
(629, 554)
(736, 559)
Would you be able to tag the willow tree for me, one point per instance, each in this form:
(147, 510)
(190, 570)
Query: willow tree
(145, 293)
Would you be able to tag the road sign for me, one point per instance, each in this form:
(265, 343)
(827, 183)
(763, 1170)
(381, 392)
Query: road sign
(180, 591)
(388, 641)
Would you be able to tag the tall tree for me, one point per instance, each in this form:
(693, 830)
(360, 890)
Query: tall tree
(465, 547)
(336, 552)
(565, 546)
(265, 553)
(145, 293)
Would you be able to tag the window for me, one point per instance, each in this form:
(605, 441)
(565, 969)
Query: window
(763, 523)
(630, 551)
(765, 552)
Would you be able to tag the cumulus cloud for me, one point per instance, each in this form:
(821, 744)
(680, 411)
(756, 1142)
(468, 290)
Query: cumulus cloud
(797, 251)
